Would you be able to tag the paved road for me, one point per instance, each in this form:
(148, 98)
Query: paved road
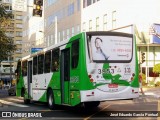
(153, 91)
(139, 106)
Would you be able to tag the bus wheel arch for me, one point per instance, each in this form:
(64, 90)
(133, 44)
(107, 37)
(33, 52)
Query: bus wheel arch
(50, 99)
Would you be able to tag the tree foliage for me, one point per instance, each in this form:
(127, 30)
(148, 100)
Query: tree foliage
(7, 46)
(156, 68)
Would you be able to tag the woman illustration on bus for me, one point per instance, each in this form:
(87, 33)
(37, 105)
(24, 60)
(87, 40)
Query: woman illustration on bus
(99, 52)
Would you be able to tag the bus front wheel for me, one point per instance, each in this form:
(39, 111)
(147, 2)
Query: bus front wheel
(26, 101)
(50, 100)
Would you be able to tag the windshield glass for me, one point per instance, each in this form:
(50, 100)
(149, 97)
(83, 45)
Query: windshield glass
(110, 48)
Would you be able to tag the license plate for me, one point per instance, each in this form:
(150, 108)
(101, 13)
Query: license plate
(113, 85)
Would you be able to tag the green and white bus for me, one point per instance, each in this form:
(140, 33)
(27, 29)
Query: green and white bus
(86, 69)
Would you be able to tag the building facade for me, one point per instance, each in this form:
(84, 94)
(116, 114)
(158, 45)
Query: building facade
(14, 31)
(63, 19)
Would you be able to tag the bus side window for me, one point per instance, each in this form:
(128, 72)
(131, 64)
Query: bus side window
(40, 63)
(24, 68)
(75, 54)
(55, 60)
(47, 62)
(35, 65)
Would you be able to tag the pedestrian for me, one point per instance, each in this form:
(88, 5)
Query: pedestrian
(140, 83)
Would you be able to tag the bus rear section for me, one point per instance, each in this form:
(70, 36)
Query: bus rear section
(112, 67)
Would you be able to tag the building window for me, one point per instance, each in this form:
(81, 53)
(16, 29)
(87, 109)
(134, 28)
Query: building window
(51, 2)
(78, 28)
(19, 25)
(68, 34)
(63, 33)
(72, 31)
(59, 37)
(7, 7)
(90, 25)
(114, 19)
(84, 3)
(84, 26)
(89, 2)
(146, 70)
(18, 42)
(48, 41)
(18, 33)
(70, 9)
(105, 22)
(18, 17)
(97, 23)
(78, 5)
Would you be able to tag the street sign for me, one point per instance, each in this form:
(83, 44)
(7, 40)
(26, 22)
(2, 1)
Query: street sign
(33, 50)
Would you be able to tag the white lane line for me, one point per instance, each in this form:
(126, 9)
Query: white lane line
(14, 99)
(11, 103)
(149, 93)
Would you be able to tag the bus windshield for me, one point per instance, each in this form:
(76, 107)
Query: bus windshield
(110, 48)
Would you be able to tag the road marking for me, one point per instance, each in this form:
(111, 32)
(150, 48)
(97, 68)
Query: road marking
(96, 112)
(149, 93)
(14, 99)
(11, 103)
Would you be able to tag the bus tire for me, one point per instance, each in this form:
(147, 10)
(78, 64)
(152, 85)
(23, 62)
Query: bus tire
(93, 104)
(50, 100)
(26, 101)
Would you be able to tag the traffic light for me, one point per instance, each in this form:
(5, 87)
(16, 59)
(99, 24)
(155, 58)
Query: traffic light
(37, 11)
(142, 57)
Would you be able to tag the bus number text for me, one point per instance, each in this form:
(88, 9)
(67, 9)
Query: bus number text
(105, 71)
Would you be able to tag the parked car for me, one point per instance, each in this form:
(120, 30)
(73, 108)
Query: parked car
(12, 90)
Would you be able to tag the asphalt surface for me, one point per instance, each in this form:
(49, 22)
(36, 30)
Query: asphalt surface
(154, 91)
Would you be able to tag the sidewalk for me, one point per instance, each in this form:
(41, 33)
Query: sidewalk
(154, 91)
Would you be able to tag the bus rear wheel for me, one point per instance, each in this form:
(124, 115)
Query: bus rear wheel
(93, 104)
(50, 100)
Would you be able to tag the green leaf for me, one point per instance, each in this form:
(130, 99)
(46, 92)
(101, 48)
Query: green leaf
(156, 68)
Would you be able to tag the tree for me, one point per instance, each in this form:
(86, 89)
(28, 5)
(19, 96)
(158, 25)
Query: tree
(6, 43)
(156, 68)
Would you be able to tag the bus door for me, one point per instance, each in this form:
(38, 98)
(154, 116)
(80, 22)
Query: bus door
(29, 79)
(65, 75)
